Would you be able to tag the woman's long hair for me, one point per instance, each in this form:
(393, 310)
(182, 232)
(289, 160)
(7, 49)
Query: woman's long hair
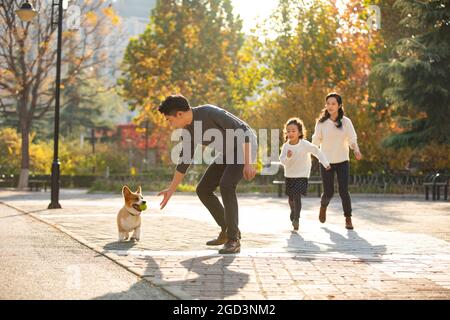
(299, 123)
(325, 115)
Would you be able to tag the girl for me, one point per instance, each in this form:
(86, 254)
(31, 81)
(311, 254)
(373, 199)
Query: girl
(334, 133)
(296, 159)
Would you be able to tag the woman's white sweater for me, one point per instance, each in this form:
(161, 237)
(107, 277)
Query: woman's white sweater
(335, 142)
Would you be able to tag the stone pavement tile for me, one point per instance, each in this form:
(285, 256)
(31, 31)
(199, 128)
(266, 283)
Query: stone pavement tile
(296, 273)
(325, 262)
(444, 284)
(281, 278)
(272, 287)
(283, 297)
(252, 287)
(363, 296)
(303, 282)
(348, 288)
(320, 297)
(285, 285)
(244, 297)
(329, 287)
(401, 274)
(191, 288)
(321, 292)
(336, 279)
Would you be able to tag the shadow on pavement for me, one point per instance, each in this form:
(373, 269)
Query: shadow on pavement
(116, 245)
(296, 243)
(215, 280)
(355, 245)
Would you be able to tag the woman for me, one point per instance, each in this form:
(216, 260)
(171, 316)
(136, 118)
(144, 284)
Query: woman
(334, 134)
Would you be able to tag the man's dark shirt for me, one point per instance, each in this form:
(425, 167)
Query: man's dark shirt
(212, 117)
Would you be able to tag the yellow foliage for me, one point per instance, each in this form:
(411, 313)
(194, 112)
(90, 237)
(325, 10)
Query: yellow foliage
(41, 157)
(111, 14)
(91, 18)
(9, 141)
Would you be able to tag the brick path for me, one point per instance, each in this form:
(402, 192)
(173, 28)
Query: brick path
(399, 248)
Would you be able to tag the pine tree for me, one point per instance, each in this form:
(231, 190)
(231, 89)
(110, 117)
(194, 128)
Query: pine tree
(418, 77)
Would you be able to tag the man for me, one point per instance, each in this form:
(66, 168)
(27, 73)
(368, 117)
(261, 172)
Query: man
(233, 162)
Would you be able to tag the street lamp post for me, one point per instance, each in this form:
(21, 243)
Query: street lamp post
(26, 13)
(54, 204)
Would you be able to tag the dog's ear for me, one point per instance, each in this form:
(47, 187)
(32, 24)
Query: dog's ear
(139, 190)
(126, 191)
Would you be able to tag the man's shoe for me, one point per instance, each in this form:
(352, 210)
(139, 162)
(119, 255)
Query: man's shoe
(348, 223)
(323, 214)
(221, 239)
(232, 246)
(295, 224)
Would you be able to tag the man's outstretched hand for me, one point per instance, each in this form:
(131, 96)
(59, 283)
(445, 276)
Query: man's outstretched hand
(249, 172)
(167, 195)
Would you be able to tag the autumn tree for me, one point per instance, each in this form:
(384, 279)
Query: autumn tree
(312, 48)
(27, 62)
(190, 47)
(305, 57)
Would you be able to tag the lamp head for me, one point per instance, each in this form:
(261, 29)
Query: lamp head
(26, 12)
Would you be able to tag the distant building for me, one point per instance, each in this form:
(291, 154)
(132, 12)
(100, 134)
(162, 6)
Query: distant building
(134, 8)
(135, 16)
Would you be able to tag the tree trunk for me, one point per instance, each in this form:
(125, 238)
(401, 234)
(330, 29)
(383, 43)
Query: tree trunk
(24, 170)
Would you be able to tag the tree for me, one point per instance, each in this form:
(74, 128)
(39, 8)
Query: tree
(88, 104)
(311, 49)
(27, 60)
(190, 47)
(418, 77)
(306, 58)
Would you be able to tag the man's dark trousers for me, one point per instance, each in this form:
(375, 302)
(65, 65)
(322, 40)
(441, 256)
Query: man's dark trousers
(225, 176)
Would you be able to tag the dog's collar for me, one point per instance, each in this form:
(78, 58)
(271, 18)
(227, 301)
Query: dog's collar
(129, 212)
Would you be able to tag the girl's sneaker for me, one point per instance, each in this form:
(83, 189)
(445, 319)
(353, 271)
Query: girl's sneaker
(295, 224)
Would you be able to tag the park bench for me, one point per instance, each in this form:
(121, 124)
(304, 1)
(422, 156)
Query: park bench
(7, 180)
(435, 183)
(37, 184)
(313, 180)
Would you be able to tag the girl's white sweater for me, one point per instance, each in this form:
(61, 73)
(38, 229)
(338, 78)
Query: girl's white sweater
(299, 164)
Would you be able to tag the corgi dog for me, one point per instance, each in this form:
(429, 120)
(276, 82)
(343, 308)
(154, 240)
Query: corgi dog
(129, 217)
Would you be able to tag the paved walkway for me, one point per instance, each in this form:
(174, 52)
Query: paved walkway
(398, 250)
(39, 262)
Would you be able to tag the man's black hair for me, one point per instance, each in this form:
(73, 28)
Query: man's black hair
(174, 103)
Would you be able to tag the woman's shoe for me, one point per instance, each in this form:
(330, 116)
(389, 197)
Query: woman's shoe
(323, 214)
(348, 223)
